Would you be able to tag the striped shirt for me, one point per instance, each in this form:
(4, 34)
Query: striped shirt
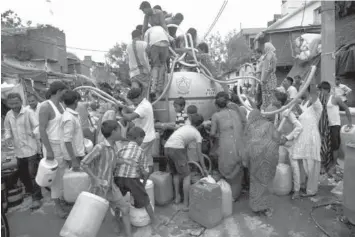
(181, 119)
(135, 153)
(21, 129)
(101, 160)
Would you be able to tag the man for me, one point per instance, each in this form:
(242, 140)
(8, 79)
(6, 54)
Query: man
(20, 124)
(139, 68)
(176, 20)
(290, 89)
(158, 42)
(73, 137)
(50, 119)
(341, 90)
(142, 117)
(34, 106)
(154, 17)
(298, 82)
(333, 103)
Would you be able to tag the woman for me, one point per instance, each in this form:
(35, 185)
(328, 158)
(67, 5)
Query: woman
(268, 76)
(227, 129)
(308, 145)
(262, 153)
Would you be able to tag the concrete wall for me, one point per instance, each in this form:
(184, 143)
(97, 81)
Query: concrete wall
(345, 33)
(40, 44)
(296, 19)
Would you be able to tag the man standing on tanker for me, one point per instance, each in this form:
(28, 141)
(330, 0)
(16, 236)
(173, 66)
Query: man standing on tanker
(50, 119)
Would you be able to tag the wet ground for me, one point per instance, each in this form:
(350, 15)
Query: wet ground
(290, 219)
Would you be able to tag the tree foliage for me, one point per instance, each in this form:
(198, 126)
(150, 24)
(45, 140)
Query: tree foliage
(228, 52)
(117, 58)
(10, 19)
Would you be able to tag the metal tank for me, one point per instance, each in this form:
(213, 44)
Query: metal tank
(195, 88)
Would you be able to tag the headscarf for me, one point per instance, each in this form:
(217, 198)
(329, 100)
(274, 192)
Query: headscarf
(269, 48)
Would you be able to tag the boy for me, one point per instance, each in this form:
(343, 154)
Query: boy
(181, 116)
(99, 165)
(176, 151)
(74, 149)
(127, 177)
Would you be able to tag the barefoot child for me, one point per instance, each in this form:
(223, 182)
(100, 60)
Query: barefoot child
(99, 165)
(176, 151)
(127, 177)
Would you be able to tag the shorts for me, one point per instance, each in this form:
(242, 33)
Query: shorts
(178, 161)
(148, 149)
(159, 55)
(114, 196)
(136, 188)
(335, 137)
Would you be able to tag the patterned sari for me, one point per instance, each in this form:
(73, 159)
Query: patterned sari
(262, 154)
(324, 129)
(268, 74)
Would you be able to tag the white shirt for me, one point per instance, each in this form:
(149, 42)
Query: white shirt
(35, 110)
(142, 56)
(145, 120)
(72, 132)
(292, 92)
(183, 136)
(342, 91)
(156, 34)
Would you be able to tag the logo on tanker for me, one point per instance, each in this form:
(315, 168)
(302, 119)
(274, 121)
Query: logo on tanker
(183, 85)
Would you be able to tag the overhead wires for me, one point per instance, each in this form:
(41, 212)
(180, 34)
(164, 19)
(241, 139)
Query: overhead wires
(216, 19)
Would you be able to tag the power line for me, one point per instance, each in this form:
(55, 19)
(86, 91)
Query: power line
(216, 18)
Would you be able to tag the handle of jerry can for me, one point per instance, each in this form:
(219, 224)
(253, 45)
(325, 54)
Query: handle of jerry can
(198, 166)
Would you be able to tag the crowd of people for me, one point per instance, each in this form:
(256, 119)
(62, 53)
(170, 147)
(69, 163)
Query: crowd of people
(244, 146)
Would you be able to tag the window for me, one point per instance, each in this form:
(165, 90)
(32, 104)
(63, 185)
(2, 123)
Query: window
(317, 16)
(251, 43)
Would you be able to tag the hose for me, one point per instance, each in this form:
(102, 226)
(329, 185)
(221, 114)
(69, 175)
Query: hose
(291, 103)
(103, 95)
(315, 221)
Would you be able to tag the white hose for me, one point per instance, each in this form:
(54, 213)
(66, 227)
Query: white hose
(292, 102)
(103, 95)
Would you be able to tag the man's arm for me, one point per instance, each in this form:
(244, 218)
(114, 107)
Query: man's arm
(89, 158)
(44, 117)
(162, 21)
(343, 106)
(145, 24)
(297, 127)
(200, 156)
(346, 90)
(130, 116)
(7, 128)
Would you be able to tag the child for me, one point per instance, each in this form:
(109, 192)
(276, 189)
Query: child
(181, 116)
(176, 151)
(127, 177)
(290, 131)
(99, 165)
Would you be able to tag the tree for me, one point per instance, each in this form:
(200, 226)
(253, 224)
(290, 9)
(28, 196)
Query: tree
(228, 52)
(10, 19)
(117, 58)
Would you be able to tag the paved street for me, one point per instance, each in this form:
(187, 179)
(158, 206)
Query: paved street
(290, 219)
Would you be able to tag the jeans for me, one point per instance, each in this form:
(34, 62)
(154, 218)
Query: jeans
(27, 170)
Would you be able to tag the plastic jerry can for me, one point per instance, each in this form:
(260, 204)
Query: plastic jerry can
(349, 184)
(139, 216)
(47, 169)
(227, 200)
(163, 187)
(74, 183)
(86, 216)
(282, 184)
(206, 204)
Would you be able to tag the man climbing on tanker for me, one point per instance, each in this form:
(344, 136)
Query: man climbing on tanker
(154, 17)
(139, 68)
